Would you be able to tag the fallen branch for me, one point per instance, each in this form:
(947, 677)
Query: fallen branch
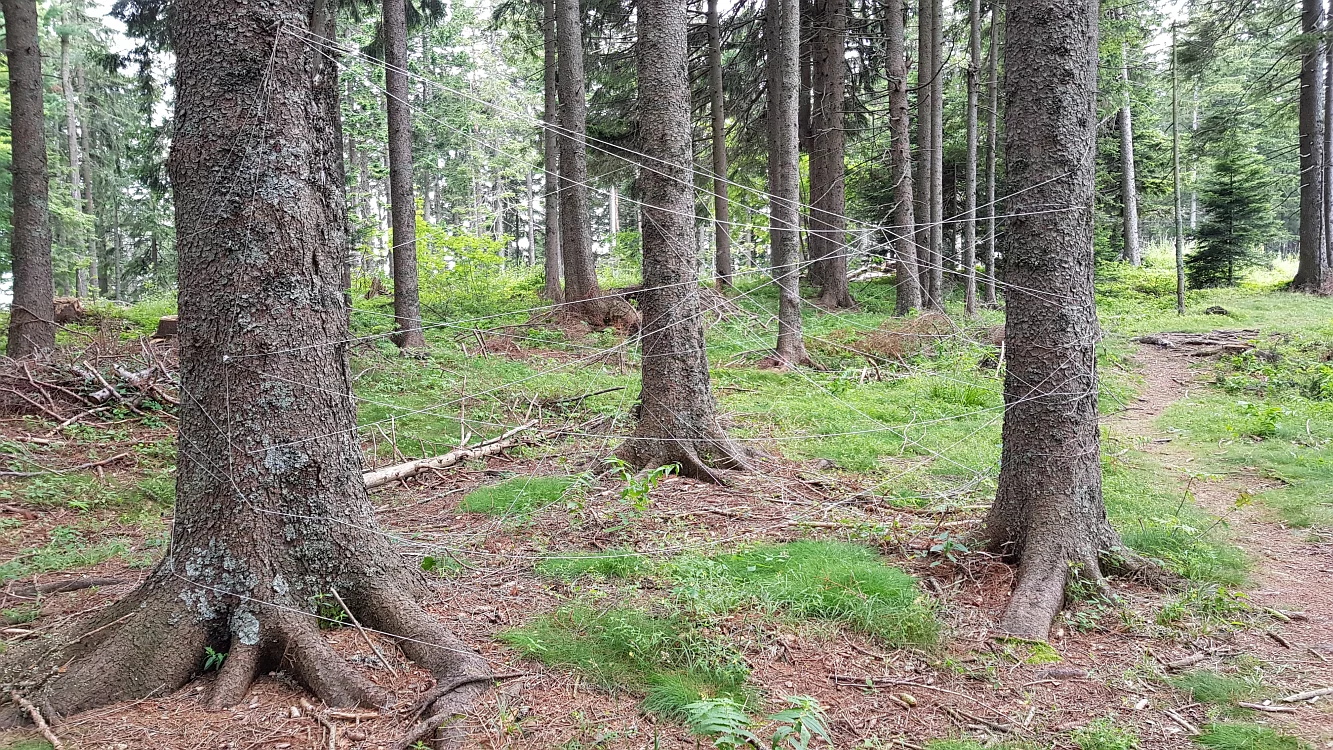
(37, 719)
(390, 474)
(62, 587)
(80, 467)
(1182, 721)
(374, 649)
(1187, 661)
(1307, 695)
(1266, 707)
(423, 728)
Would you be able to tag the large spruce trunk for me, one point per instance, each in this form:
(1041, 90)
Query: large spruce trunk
(271, 515)
(575, 234)
(782, 27)
(1312, 273)
(677, 414)
(992, 127)
(828, 145)
(32, 314)
(1048, 510)
(936, 265)
(900, 155)
(723, 266)
(402, 203)
(553, 263)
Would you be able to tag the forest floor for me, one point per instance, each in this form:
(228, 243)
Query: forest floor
(842, 571)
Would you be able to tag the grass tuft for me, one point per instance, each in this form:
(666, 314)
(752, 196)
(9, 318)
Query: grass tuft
(1206, 686)
(1246, 737)
(1105, 734)
(844, 583)
(663, 659)
(622, 563)
(516, 497)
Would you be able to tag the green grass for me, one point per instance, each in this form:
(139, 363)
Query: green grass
(68, 548)
(664, 659)
(1246, 737)
(86, 491)
(962, 744)
(25, 744)
(519, 496)
(1105, 734)
(621, 563)
(1206, 686)
(844, 583)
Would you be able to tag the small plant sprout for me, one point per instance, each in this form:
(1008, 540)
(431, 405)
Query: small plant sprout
(947, 547)
(213, 659)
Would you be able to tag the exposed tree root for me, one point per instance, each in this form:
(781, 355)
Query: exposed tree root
(604, 311)
(712, 458)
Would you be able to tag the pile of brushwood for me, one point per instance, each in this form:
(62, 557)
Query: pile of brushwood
(108, 380)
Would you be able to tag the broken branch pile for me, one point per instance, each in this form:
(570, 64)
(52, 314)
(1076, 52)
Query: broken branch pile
(105, 381)
(1204, 344)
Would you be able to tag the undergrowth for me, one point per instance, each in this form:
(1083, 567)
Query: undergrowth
(1246, 737)
(519, 496)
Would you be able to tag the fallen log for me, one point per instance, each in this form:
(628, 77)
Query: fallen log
(390, 474)
(1307, 695)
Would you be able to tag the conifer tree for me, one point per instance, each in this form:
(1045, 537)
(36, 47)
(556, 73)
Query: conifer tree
(1238, 216)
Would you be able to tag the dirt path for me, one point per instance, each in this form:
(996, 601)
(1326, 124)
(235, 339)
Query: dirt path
(1291, 573)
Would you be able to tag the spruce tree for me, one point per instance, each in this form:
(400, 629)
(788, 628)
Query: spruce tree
(1238, 216)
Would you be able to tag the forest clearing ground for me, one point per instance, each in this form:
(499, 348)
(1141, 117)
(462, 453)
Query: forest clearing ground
(491, 548)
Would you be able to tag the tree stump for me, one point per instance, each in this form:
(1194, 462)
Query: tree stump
(166, 327)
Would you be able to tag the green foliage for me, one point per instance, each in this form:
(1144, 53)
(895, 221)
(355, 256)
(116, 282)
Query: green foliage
(213, 659)
(726, 723)
(1246, 737)
(617, 563)
(639, 485)
(665, 659)
(844, 583)
(86, 491)
(1237, 202)
(67, 548)
(520, 496)
(1206, 686)
(1105, 734)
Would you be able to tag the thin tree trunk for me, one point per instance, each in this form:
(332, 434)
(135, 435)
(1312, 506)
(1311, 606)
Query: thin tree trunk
(575, 242)
(72, 134)
(552, 263)
(1326, 189)
(783, 28)
(1129, 191)
(828, 189)
(613, 213)
(904, 219)
(90, 204)
(1175, 172)
(970, 196)
(32, 316)
(937, 156)
(925, 73)
(402, 204)
(678, 415)
(1312, 273)
(1048, 509)
(723, 266)
(993, 89)
(531, 255)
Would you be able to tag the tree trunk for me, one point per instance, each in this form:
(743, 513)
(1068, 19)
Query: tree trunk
(531, 254)
(72, 135)
(678, 415)
(575, 238)
(1312, 273)
(1129, 191)
(402, 204)
(552, 263)
(904, 219)
(723, 267)
(32, 316)
(993, 91)
(1326, 182)
(937, 156)
(925, 73)
(1048, 509)
(970, 195)
(268, 521)
(783, 26)
(90, 206)
(828, 186)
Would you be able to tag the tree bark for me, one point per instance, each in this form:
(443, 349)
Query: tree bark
(402, 203)
(575, 239)
(1129, 191)
(904, 219)
(90, 205)
(553, 263)
(723, 266)
(993, 90)
(531, 253)
(1312, 272)
(1048, 509)
(970, 195)
(678, 415)
(32, 315)
(1326, 188)
(783, 27)
(937, 156)
(925, 74)
(72, 136)
(828, 178)
(268, 522)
